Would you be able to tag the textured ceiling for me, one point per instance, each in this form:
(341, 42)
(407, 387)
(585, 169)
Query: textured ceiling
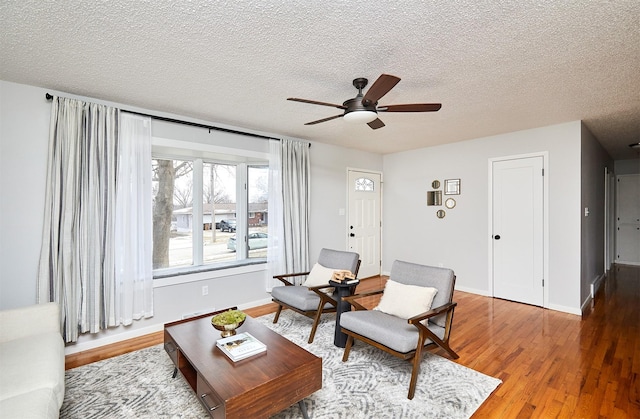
(496, 66)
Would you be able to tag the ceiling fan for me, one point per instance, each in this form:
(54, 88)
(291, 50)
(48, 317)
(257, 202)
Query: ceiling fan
(365, 108)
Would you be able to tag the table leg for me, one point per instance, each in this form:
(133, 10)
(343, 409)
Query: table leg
(303, 409)
(339, 338)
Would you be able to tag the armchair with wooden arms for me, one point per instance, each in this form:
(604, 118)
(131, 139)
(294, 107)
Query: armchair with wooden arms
(312, 301)
(404, 323)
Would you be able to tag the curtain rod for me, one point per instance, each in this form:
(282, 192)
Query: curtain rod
(192, 124)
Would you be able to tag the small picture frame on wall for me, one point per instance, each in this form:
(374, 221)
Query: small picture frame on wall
(452, 187)
(434, 198)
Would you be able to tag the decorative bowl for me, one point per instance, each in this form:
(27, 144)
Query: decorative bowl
(228, 321)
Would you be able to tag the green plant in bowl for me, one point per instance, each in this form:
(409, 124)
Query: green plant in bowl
(228, 321)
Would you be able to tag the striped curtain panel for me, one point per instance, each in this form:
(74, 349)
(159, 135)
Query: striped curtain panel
(296, 173)
(79, 244)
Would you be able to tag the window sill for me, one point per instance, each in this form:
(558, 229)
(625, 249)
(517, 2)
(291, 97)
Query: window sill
(168, 277)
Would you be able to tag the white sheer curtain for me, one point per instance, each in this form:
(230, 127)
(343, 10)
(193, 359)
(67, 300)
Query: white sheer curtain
(133, 293)
(275, 227)
(78, 256)
(293, 238)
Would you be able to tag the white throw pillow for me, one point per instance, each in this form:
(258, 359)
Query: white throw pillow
(319, 275)
(405, 301)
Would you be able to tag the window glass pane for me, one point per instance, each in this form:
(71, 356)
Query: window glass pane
(172, 206)
(258, 198)
(218, 212)
(364, 184)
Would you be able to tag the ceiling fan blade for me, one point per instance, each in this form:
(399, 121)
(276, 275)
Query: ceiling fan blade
(315, 102)
(379, 88)
(411, 107)
(376, 123)
(324, 119)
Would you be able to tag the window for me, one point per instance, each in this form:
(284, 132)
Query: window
(208, 214)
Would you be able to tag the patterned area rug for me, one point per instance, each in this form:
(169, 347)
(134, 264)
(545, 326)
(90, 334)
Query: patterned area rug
(370, 384)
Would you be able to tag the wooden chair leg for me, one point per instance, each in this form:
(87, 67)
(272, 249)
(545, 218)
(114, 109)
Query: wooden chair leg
(347, 348)
(316, 321)
(450, 351)
(277, 316)
(444, 345)
(417, 358)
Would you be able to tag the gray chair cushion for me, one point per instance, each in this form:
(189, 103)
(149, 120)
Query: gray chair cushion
(391, 331)
(297, 296)
(338, 259)
(426, 276)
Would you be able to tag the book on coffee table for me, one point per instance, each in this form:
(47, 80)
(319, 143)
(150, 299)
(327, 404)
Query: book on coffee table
(240, 346)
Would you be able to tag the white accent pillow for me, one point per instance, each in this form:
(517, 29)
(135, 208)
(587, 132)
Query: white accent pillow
(319, 275)
(405, 301)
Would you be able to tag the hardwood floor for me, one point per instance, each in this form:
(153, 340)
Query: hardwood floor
(552, 364)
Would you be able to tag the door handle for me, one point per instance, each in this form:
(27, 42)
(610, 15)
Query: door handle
(351, 235)
(497, 237)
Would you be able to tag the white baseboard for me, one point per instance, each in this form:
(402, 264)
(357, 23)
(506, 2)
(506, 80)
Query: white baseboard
(484, 293)
(596, 284)
(107, 340)
(136, 333)
(621, 262)
(564, 309)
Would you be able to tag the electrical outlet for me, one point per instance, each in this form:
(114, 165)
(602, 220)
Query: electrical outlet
(205, 290)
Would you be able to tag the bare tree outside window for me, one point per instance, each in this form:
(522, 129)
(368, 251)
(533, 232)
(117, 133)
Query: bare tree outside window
(165, 175)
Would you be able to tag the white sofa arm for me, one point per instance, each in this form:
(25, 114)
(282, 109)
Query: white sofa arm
(25, 321)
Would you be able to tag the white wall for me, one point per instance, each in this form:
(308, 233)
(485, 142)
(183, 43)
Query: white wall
(413, 233)
(24, 132)
(329, 193)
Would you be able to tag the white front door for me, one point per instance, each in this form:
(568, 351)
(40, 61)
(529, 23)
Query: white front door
(364, 230)
(517, 230)
(628, 219)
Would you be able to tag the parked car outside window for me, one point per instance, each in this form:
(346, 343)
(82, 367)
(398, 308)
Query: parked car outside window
(256, 241)
(228, 225)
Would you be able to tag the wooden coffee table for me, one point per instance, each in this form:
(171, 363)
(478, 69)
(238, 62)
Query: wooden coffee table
(255, 387)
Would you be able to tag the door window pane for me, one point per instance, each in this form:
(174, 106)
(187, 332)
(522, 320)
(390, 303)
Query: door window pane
(364, 184)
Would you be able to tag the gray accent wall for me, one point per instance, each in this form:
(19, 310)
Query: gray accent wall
(594, 160)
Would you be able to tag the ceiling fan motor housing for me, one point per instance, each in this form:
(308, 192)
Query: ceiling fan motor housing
(355, 105)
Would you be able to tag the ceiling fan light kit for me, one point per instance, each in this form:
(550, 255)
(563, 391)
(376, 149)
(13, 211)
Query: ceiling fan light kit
(364, 108)
(360, 117)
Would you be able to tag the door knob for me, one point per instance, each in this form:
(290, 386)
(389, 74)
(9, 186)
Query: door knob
(497, 237)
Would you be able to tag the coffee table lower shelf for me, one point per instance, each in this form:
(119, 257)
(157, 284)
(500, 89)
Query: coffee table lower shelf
(255, 387)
